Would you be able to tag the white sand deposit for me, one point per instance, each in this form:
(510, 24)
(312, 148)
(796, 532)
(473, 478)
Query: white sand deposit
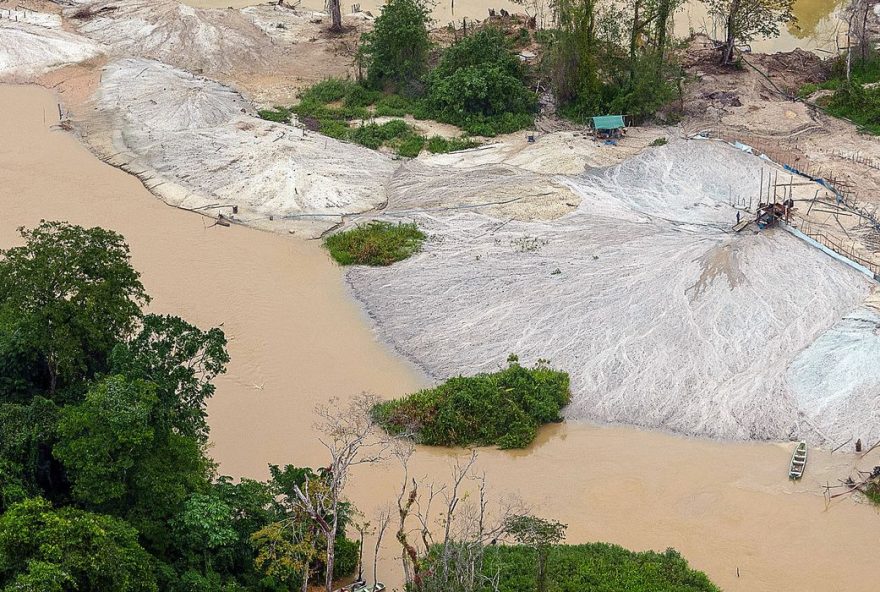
(835, 380)
(35, 45)
(198, 40)
(198, 145)
(662, 316)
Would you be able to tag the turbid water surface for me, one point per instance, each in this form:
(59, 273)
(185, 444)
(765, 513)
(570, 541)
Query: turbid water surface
(297, 339)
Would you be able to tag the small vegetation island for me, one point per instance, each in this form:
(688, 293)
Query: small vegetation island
(375, 243)
(106, 484)
(503, 408)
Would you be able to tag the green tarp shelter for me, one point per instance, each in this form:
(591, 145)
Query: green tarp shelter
(607, 123)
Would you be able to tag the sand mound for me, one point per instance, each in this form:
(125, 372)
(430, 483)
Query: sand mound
(34, 45)
(496, 190)
(661, 315)
(199, 40)
(835, 379)
(197, 145)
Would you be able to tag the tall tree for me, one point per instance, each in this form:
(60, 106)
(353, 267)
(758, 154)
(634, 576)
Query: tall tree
(539, 534)
(746, 20)
(103, 438)
(182, 361)
(395, 52)
(335, 7)
(72, 295)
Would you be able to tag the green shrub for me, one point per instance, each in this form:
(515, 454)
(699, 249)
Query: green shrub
(597, 566)
(479, 86)
(394, 106)
(374, 135)
(395, 53)
(334, 128)
(851, 100)
(660, 142)
(504, 408)
(346, 561)
(278, 114)
(411, 145)
(441, 145)
(376, 243)
(329, 90)
(858, 104)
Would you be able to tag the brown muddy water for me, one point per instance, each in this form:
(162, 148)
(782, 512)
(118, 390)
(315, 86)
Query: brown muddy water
(818, 25)
(297, 338)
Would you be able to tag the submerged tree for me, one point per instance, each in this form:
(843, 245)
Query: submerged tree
(746, 20)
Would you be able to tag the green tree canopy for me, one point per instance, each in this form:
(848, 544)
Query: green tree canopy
(479, 84)
(103, 438)
(746, 20)
(70, 294)
(69, 549)
(181, 360)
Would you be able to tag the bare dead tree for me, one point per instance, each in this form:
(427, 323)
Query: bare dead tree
(454, 561)
(348, 434)
(382, 520)
(857, 34)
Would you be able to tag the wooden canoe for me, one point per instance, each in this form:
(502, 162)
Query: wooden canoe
(798, 461)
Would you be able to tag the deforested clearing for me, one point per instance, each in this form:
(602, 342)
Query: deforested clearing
(661, 315)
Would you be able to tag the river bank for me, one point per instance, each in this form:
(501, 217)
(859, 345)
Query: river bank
(297, 338)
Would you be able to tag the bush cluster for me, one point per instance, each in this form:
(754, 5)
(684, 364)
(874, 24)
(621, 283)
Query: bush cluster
(377, 243)
(332, 104)
(852, 99)
(597, 566)
(504, 408)
(479, 85)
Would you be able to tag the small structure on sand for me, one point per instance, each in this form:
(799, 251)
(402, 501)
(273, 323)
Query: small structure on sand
(608, 126)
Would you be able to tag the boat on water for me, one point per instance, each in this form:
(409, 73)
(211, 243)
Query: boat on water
(798, 461)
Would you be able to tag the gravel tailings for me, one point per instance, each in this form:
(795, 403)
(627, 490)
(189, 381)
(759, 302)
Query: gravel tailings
(662, 316)
(198, 145)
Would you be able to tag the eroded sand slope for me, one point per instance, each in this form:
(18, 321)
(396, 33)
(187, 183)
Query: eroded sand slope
(662, 316)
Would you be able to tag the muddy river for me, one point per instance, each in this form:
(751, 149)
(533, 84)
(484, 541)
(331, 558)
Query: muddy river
(297, 338)
(818, 25)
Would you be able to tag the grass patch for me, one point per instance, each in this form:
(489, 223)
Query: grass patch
(851, 100)
(441, 145)
(659, 142)
(858, 104)
(872, 492)
(376, 243)
(503, 408)
(331, 105)
(277, 114)
(600, 567)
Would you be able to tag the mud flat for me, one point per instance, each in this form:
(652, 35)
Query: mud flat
(296, 338)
